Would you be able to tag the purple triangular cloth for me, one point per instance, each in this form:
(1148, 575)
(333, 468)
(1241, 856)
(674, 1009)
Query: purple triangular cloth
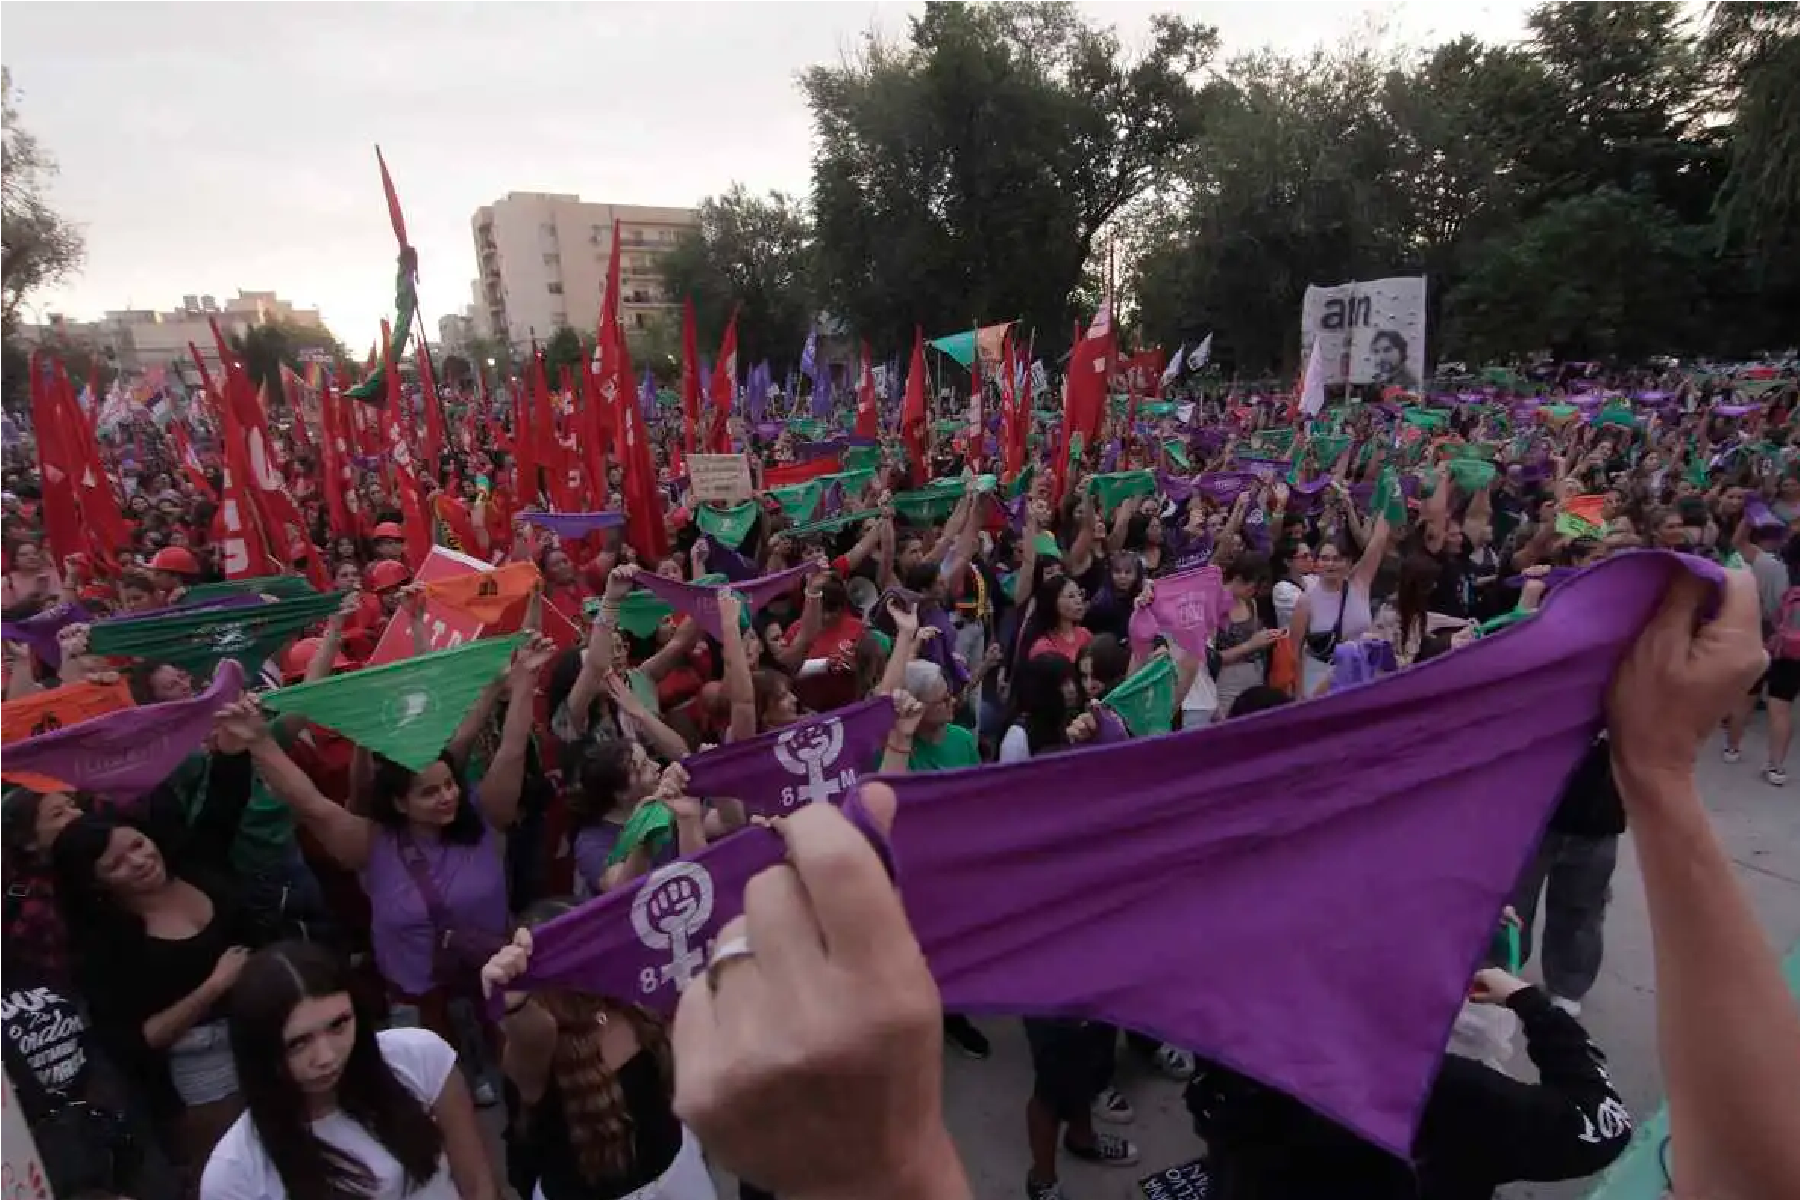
(128, 752)
(574, 525)
(39, 631)
(817, 759)
(1317, 849)
(701, 600)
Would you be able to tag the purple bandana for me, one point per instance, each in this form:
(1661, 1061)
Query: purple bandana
(1028, 898)
(39, 632)
(701, 601)
(1187, 609)
(127, 753)
(1361, 661)
(817, 759)
(574, 525)
(727, 561)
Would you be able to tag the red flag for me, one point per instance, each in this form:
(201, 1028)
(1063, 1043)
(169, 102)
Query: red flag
(190, 460)
(434, 416)
(415, 522)
(690, 377)
(867, 414)
(645, 529)
(526, 482)
(290, 389)
(395, 217)
(792, 473)
(283, 528)
(57, 467)
(724, 389)
(596, 451)
(342, 504)
(913, 416)
(101, 525)
(1015, 411)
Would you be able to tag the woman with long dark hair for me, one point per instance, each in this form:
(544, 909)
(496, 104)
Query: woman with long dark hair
(1046, 697)
(334, 1109)
(596, 1090)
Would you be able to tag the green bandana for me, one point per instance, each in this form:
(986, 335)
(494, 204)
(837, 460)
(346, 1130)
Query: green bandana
(1160, 408)
(807, 428)
(407, 710)
(1427, 419)
(1480, 451)
(197, 641)
(1272, 443)
(1046, 547)
(1113, 490)
(1617, 416)
(1021, 482)
(1176, 449)
(1145, 700)
(280, 586)
(641, 612)
(800, 500)
(1388, 500)
(651, 826)
(861, 458)
(931, 503)
(1327, 449)
(829, 524)
(730, 524)
(852, 483)
(1471, 474)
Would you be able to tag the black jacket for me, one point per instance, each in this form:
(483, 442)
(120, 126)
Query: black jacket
(1481, 1128)
(1590, 805)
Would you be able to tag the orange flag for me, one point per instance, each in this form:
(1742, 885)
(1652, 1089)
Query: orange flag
(46, 712)
(486, 596)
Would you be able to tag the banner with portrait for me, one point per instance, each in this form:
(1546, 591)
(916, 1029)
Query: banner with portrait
(1374, 331)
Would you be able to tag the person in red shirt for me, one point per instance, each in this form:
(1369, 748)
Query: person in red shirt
(563, 585)
(820, 651)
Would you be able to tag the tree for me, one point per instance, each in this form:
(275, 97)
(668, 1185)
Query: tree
(268, 347)
(566, 349)
(753, 254)
(492, 356)
(38, 247)
(967, 173)
(457, 371)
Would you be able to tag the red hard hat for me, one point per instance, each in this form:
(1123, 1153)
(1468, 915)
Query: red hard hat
(297, 657)
(387, 574)
(389, 529)
(177, 559)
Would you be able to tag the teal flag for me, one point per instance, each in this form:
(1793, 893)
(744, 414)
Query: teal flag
(731, 524)
(960, 346)
(800, 500)
(1114, 489)
(196, 641)
(1145, 701)
(407, 710)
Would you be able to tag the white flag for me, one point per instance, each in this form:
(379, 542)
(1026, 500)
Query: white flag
(1312, 387)
(1174, 367)
(1201, 353)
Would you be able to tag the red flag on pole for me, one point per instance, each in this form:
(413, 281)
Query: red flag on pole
(415, 522)
(644, 526)
(690, 377)
(867, 413)
(913, 416)
(57, 467)
(434, 415)
(395, 217)
(724, 388)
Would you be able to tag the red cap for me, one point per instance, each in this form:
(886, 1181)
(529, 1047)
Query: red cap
(388, 529)
(387, 574)
(177, 559)
(297, 657)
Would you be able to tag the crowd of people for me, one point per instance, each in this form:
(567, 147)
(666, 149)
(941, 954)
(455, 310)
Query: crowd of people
(268, 975)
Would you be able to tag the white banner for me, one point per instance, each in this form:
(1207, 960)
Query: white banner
(1373, 331)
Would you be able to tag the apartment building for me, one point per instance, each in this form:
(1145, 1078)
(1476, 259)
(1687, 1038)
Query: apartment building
(542, 260)
(139, 339)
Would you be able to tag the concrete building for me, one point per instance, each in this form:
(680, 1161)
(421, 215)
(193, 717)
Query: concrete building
(543, 258)
(138, 339)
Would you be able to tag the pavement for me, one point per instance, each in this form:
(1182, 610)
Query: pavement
(1760, 828)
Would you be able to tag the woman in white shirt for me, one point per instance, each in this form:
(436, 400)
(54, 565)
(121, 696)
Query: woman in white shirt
(1336, 608)
(335, 1110)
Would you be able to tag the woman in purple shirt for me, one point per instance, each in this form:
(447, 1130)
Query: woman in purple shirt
(428, 853)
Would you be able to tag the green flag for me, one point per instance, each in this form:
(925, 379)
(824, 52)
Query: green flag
(1613, 415)
(1114, 489)
(373, 390)
(1177, 451)
(407, 710)
(1389, 501)
(1470, 474)
(1145, 700)
(1429, 419)
(1021, 482)
(652, 825)
(933, 502)
(730, 523)
(282, 586)
(1274, 443)
(197, 641)
(641, 612)
(1159, 408)
(829, 524)
(861, 458)
(800, 500)
(1483, 451)
(1326, 449)
(807, 427)
(852, 482)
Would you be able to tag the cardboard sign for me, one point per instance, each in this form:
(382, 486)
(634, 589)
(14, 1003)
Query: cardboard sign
(1189, 1181)
(722, 478)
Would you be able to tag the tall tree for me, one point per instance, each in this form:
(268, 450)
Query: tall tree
(37, 246)
(754, 254)
(268, 347)
(967, 172)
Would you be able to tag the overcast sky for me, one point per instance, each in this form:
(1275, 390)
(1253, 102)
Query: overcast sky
(210, 147)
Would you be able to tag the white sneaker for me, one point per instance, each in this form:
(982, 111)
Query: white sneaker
(1775, 776)
(1732, 755)
(1572, 1007)
(1175, 1062)
(1111, 1106)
